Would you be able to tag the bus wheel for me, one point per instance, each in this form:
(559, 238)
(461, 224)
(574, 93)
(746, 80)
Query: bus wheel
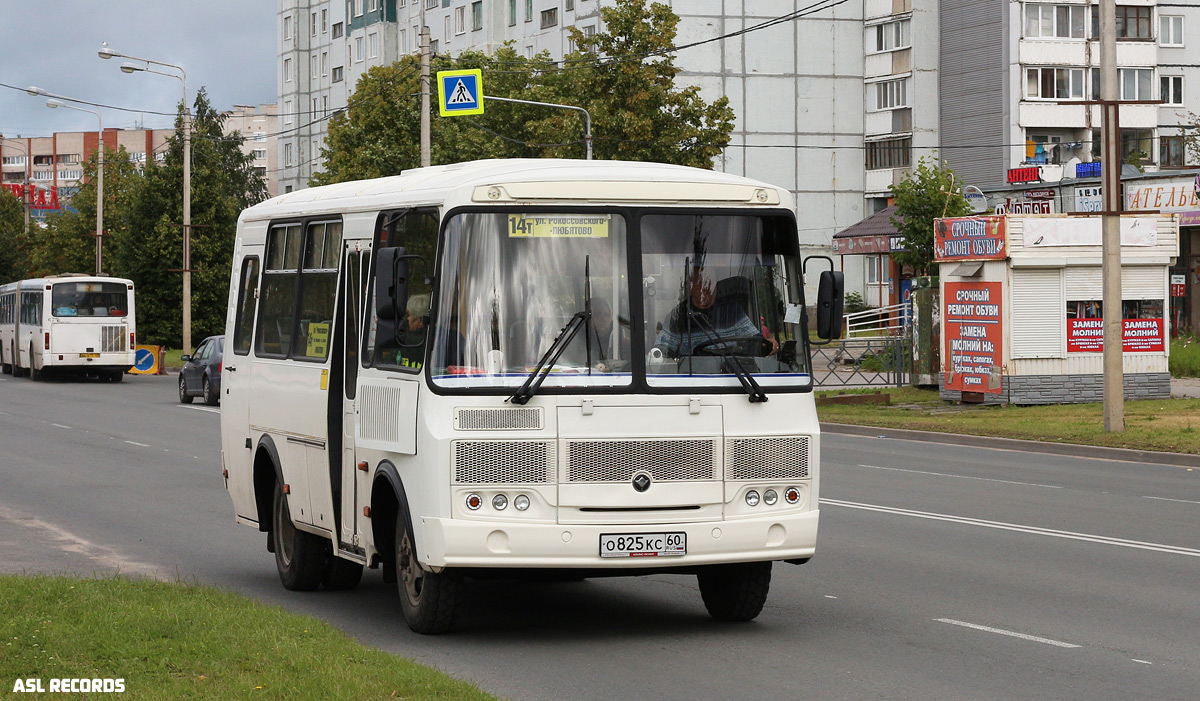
(342, 575)
(299, 556)
(34, 373)
(427, 599)
(206, 392)
(735, 592)
(184, 397)
(115, 376)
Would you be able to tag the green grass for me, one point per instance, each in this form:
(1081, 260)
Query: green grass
(172, 641)
(1171, 425)
(1185, 356)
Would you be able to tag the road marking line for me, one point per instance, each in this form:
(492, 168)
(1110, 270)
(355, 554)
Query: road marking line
(1000, 525)
(1181, 501)
(143, 445)
(1134, 659)
(966, 477)
(209, 409)
(1022, 636)
(60, 426)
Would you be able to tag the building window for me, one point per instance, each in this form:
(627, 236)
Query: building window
(1172, 89)
(477, 15)
(324, 21)
(1170, 30)
(1054, 21)
(1135, 83)
(337, 30)
(337, 74)
(287, 70)
(403, 41)
(878, 269)
(324, 105)
(1054, 83)
(1132, 22)
(324, 63)
(358, 48)
(528, 10)
(1171, 150)
(287, 111)
(512, 13)
(892, 36)
(259, 153)
(288, 159)
(889, 153)
(287, 27)
(570, 5)
(1135, 143)
(446, 28)
(460, 20)
(890, 94)
(372, 45)
(550, 18)
(313, 27)
(374, 5)
(358, 7)
(313, 66)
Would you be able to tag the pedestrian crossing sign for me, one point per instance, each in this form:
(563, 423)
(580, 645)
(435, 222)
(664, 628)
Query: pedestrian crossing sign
(460, 92)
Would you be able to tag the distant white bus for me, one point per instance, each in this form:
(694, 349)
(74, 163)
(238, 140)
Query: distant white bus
(69, 322)
(506, 367)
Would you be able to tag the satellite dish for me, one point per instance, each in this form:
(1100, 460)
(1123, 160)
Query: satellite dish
(975, 198)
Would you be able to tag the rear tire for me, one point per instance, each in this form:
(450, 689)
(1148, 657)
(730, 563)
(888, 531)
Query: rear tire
(206, 392)
(34, 373)
(116, 375)
(299, 556)
(184, 397)
(735, 592)
(427, 599)
(17, 370)
(342, 575)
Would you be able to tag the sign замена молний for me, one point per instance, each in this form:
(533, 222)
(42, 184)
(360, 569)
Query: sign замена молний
(974, 330)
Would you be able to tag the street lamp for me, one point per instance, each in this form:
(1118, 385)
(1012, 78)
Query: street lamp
(55, 102)
(143, 66)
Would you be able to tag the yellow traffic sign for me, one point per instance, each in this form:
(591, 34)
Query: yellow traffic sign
(460, 92)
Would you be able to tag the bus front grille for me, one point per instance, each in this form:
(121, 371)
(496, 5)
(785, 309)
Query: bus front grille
(113, 339)
(769, 458)
(502, 462)
(667, 460)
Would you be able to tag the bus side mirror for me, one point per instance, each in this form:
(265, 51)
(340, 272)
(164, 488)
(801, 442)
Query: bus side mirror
(829, 304)
(391, 294)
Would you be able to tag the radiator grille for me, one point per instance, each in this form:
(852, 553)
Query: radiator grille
(618, 461)
(498, 419)
(783, 457)
(113, 339)
(503, 462)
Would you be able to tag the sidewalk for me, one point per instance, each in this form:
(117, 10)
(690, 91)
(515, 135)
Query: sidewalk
(1185, 387)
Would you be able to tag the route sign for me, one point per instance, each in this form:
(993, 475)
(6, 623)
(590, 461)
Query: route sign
(460, 92)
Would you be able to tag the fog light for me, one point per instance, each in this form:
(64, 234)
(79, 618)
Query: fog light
(752, 498)
(499, 502)
(770, 497)
(474, 502)
(521, 502)
(791, 495)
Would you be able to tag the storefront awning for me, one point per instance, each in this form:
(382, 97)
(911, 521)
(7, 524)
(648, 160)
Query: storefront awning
(875, 234)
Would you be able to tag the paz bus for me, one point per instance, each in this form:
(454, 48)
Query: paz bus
(70, 322)
(510, 367)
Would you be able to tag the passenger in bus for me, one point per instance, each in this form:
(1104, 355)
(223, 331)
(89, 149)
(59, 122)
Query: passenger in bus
(412, 338)
(717, 310)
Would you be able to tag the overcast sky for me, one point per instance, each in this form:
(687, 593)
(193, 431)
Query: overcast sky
(226, 46)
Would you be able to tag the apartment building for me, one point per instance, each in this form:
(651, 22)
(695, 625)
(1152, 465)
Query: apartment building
(259, 126)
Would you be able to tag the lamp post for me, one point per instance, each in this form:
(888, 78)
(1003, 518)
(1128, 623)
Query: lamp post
(55, 102)
(130, 67)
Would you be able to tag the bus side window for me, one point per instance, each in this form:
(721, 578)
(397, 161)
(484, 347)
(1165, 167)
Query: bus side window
(277, 306)
(243, 323)
(318, 290)
(416, 230)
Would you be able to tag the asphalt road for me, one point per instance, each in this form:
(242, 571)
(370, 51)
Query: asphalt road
(943, 572)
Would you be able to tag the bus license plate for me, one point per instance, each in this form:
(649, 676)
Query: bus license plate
(89, 355)
(643, 544)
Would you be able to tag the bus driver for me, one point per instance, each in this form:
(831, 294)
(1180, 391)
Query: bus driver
(711, 310)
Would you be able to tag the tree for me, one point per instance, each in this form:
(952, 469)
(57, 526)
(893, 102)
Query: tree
(149, 247)
(12, 238)
(930, 191)
(624, 77)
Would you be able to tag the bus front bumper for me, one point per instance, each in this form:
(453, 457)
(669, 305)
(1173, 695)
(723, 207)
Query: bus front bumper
(465, 543)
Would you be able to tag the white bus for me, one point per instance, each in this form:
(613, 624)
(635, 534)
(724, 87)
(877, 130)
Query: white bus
(70, 322)
(506, 367)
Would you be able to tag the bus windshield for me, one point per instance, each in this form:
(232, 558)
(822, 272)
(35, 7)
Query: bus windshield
(721, 296)
(89, 299)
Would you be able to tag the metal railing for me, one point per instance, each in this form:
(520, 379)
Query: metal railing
(879, 321)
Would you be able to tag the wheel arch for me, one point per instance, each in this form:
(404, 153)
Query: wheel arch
(387, 494)
(267, 471)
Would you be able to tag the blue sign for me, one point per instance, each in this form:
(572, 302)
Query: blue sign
(143, 360)
(460, 92)
(1088, 170)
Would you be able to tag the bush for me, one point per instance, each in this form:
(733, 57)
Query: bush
(854, 303)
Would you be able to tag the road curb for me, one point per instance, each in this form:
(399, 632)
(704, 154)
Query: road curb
(1071, 449)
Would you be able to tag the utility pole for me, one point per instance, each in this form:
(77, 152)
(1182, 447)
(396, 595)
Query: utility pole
(426, 159)
(1114, 325)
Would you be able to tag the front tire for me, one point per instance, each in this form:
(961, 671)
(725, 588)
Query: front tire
(299, 556)
(184, 397)
(210, 398)
(427, 599)
(735, 592)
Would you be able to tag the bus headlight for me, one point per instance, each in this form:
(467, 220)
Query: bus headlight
(770, 497)
(521, 502)
(499, 502)
(752, 498)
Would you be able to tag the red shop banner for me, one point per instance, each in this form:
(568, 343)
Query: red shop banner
(973, 327)
(970, 238)
(1140, 335)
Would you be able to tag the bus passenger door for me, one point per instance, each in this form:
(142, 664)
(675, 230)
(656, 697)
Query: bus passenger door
(355, 263)
(236, 369)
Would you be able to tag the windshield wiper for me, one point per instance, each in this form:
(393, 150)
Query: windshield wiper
(553, 353)
(735, 364)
